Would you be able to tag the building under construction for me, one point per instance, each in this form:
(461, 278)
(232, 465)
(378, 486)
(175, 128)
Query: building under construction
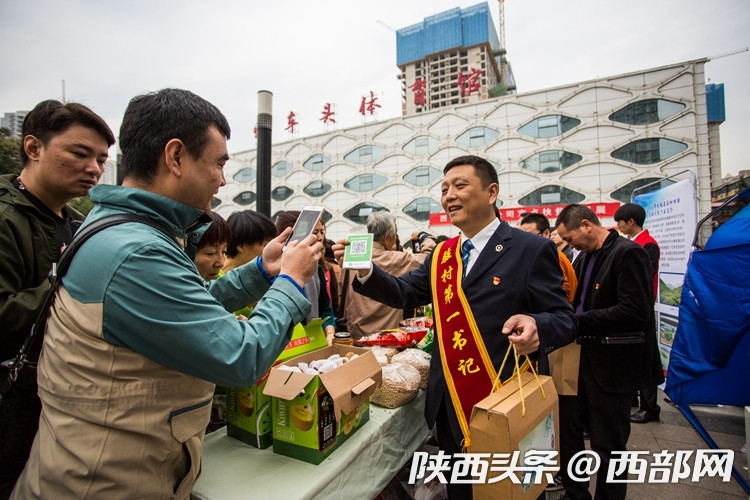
(450, 58)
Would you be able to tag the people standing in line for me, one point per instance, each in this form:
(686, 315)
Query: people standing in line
(512, 290)
(364, 315)
(251, 232)
(566, 249)
(210, 254)
(209, 260)
(612, 304)
(315, 287)
(63, 151)
(334, 282)
(135, 341)
(539, 224)
(630, 218)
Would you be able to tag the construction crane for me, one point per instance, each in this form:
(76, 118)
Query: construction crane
(726, 54)
(501, 23)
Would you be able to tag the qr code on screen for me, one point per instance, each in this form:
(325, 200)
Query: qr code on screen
(358, 247)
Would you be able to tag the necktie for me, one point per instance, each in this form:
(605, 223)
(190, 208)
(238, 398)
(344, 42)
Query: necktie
(465, 249)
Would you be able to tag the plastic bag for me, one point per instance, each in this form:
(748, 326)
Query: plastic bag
(387, 352)
(400, 385)
(419, 360)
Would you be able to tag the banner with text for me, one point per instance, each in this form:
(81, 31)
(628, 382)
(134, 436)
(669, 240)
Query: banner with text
(671, 217)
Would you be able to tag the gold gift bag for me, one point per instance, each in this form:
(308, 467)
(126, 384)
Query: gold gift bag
(521, 416)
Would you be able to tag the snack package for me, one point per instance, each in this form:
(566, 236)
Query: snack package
(400, 385)
(419, 360)
(407, 336)
(426, 343)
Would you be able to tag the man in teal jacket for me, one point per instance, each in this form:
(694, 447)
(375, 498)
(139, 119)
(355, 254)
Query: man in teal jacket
(135, 341)
(63, 151)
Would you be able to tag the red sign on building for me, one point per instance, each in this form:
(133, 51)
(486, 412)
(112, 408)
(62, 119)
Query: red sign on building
(328, 114)
(368, 105)
(604, 209)
(291, 122)
(418, 88)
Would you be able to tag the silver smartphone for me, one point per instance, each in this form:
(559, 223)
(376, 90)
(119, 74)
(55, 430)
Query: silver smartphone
(305, 224)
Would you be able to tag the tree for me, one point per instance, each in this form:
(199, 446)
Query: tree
(83, 204)
(10, 157)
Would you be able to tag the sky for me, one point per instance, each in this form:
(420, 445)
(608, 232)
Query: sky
(337, 51)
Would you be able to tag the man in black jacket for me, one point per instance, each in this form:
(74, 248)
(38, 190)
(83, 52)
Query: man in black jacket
(613, 308)
(63, 151)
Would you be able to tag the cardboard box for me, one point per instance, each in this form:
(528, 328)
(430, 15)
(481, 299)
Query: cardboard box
(499, 426)
(248, 409)
(314, 414)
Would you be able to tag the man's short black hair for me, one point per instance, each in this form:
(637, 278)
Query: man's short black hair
(631, 211)
(574, 214)
(152, 120)
(541, 222)
(50, 118)
(484, 168)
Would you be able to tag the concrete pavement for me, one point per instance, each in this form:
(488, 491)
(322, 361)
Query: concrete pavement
(726, 425)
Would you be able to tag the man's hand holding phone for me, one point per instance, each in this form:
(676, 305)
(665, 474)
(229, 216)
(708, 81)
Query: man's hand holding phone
(299, 261)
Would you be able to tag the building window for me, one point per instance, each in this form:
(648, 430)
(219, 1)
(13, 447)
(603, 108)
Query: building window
(365, 154)
(317, 188)
(365, 182)
(422, 145)
(550, 161)
(359, 212)
(477, 137)
(625, 193)
(646, 111)
(215, 203)
(244, 198)
(422, 176)
(317, 162)
(247, 174)
(648, 151)
(421, 208)
(281, 193)
(549, 126)
(282, 168)
(551, 195)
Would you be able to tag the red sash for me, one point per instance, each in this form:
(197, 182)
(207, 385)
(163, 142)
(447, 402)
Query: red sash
(467, 366)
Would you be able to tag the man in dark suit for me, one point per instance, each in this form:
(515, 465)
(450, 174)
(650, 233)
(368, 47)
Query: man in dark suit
(613, 307)
(630, 219)
(512, 285)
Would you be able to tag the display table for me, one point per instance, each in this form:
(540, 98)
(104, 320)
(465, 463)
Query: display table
(360, 468)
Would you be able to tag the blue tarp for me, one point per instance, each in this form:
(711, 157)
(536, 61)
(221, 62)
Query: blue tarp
(710, 358)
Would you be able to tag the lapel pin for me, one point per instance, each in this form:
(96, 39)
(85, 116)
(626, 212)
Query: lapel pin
(495, 281)
(498, 248)
(596, 287)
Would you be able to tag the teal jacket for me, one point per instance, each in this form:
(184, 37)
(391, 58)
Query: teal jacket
(155, 302)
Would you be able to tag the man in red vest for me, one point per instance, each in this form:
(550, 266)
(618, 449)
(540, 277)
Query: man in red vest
(630, 218)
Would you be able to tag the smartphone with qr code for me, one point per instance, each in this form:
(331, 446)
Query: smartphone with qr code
(306, 222)
(358, 253)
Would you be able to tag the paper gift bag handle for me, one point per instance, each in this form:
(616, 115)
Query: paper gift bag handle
(517, 371)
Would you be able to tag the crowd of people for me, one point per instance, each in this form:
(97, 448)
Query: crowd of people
(146, 329)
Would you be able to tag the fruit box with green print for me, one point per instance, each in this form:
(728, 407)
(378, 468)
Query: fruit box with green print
(248, 409)
(314, 414)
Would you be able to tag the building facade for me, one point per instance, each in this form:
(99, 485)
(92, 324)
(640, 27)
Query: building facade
(14, 123)
(591, 142)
